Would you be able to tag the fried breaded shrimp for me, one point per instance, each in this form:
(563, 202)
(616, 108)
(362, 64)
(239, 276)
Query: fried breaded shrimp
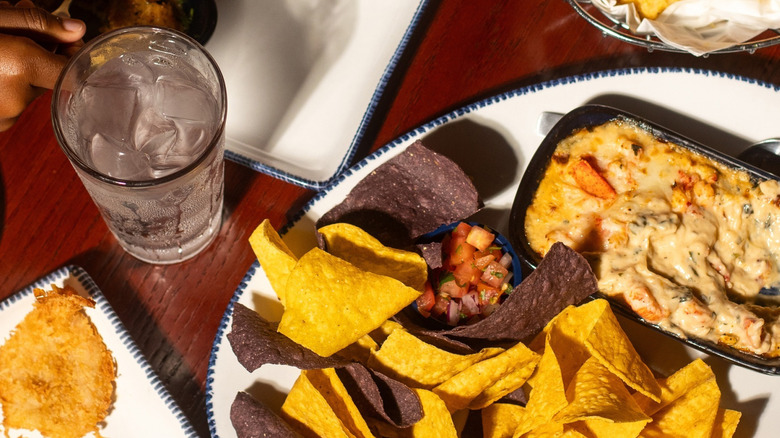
(56, 374)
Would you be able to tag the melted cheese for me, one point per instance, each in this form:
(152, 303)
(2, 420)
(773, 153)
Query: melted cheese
(686, 242)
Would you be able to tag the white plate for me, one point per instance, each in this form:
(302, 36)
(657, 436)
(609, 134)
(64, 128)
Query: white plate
(143, 406)
(720, 110)
(304, 77)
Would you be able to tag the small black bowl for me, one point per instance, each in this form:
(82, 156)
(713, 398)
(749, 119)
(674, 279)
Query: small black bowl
(201, 14)
(438, 235)
(590, 116)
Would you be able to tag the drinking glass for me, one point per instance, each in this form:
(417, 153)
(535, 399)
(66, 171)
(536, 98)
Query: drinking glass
(140, 113)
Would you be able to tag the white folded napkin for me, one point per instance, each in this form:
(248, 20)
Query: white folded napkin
(700, 26)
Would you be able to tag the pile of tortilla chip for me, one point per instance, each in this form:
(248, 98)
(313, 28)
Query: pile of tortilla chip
(539, 365)
(590, 382)
(365, 374)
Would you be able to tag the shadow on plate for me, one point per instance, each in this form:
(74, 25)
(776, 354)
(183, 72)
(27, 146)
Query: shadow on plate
(267, 394)
(686, 126)
(481, 151)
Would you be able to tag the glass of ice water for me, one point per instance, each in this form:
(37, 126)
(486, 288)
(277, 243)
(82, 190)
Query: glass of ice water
(140, 113)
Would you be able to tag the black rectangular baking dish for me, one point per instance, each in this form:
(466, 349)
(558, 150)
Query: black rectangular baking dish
(593, 115)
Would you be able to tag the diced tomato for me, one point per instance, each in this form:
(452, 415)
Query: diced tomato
(467, 273)
(480, 238)
(482, 259)
(461, 230)
(459, 251)
(487, 294)
(451, 287)
(440, 305)
(426, 300)
(494, 274)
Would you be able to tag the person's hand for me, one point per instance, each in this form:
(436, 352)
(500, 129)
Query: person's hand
(28, 63)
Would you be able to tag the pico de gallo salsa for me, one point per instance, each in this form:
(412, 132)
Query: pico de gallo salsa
(472, 281)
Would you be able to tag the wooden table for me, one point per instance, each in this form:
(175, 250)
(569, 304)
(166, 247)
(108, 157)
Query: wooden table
(462, 50)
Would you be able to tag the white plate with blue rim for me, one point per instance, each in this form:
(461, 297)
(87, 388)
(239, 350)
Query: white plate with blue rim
(142, 406)
(492, 140)
(304, 79)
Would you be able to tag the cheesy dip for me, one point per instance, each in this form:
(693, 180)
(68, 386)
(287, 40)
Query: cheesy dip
(684, 241)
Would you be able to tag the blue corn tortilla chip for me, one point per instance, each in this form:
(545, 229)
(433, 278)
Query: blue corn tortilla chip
(253, 419)
(563, 278)
(409, 195)
(381, 397)
(256, 342)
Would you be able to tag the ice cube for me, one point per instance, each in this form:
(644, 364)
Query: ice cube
(153, 133)
(190, 140)
(115, 159)
(109, 110)
(128, 70)
(181, 100)
(109, 101)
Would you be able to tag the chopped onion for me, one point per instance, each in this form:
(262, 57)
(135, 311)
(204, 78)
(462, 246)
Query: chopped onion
(453, 312)
(469, 304)
(506, 260)
(506, 278)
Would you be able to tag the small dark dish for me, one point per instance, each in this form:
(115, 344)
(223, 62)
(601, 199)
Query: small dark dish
(196, 18)
(593, 115)
(436, 236)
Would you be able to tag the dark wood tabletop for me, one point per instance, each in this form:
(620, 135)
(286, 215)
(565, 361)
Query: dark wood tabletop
(461, 51)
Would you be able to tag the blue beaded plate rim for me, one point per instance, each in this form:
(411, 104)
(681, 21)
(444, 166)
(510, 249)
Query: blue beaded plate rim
(102, 305)
(362, 127)
(418, 132)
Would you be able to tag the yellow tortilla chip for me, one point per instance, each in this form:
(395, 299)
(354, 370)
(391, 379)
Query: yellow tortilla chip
(674, 386)
(363, 250)
(274, 256)
(329, 303)
(690, 393)
(486, 381)
(726, 423)
(566, 335)
(547, 430)
(573, 432)
(548, 392)
(379, 335)
(309, 414)
(505, 385)
(360, 350)
(597, 428)
(419, 364)
(436, 421)
(500, 420)
(597, 394)
(608, 343)
(335, 394)
(690, 416)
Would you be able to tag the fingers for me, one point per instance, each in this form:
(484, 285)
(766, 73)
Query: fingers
(44, 67)
(27, 20)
